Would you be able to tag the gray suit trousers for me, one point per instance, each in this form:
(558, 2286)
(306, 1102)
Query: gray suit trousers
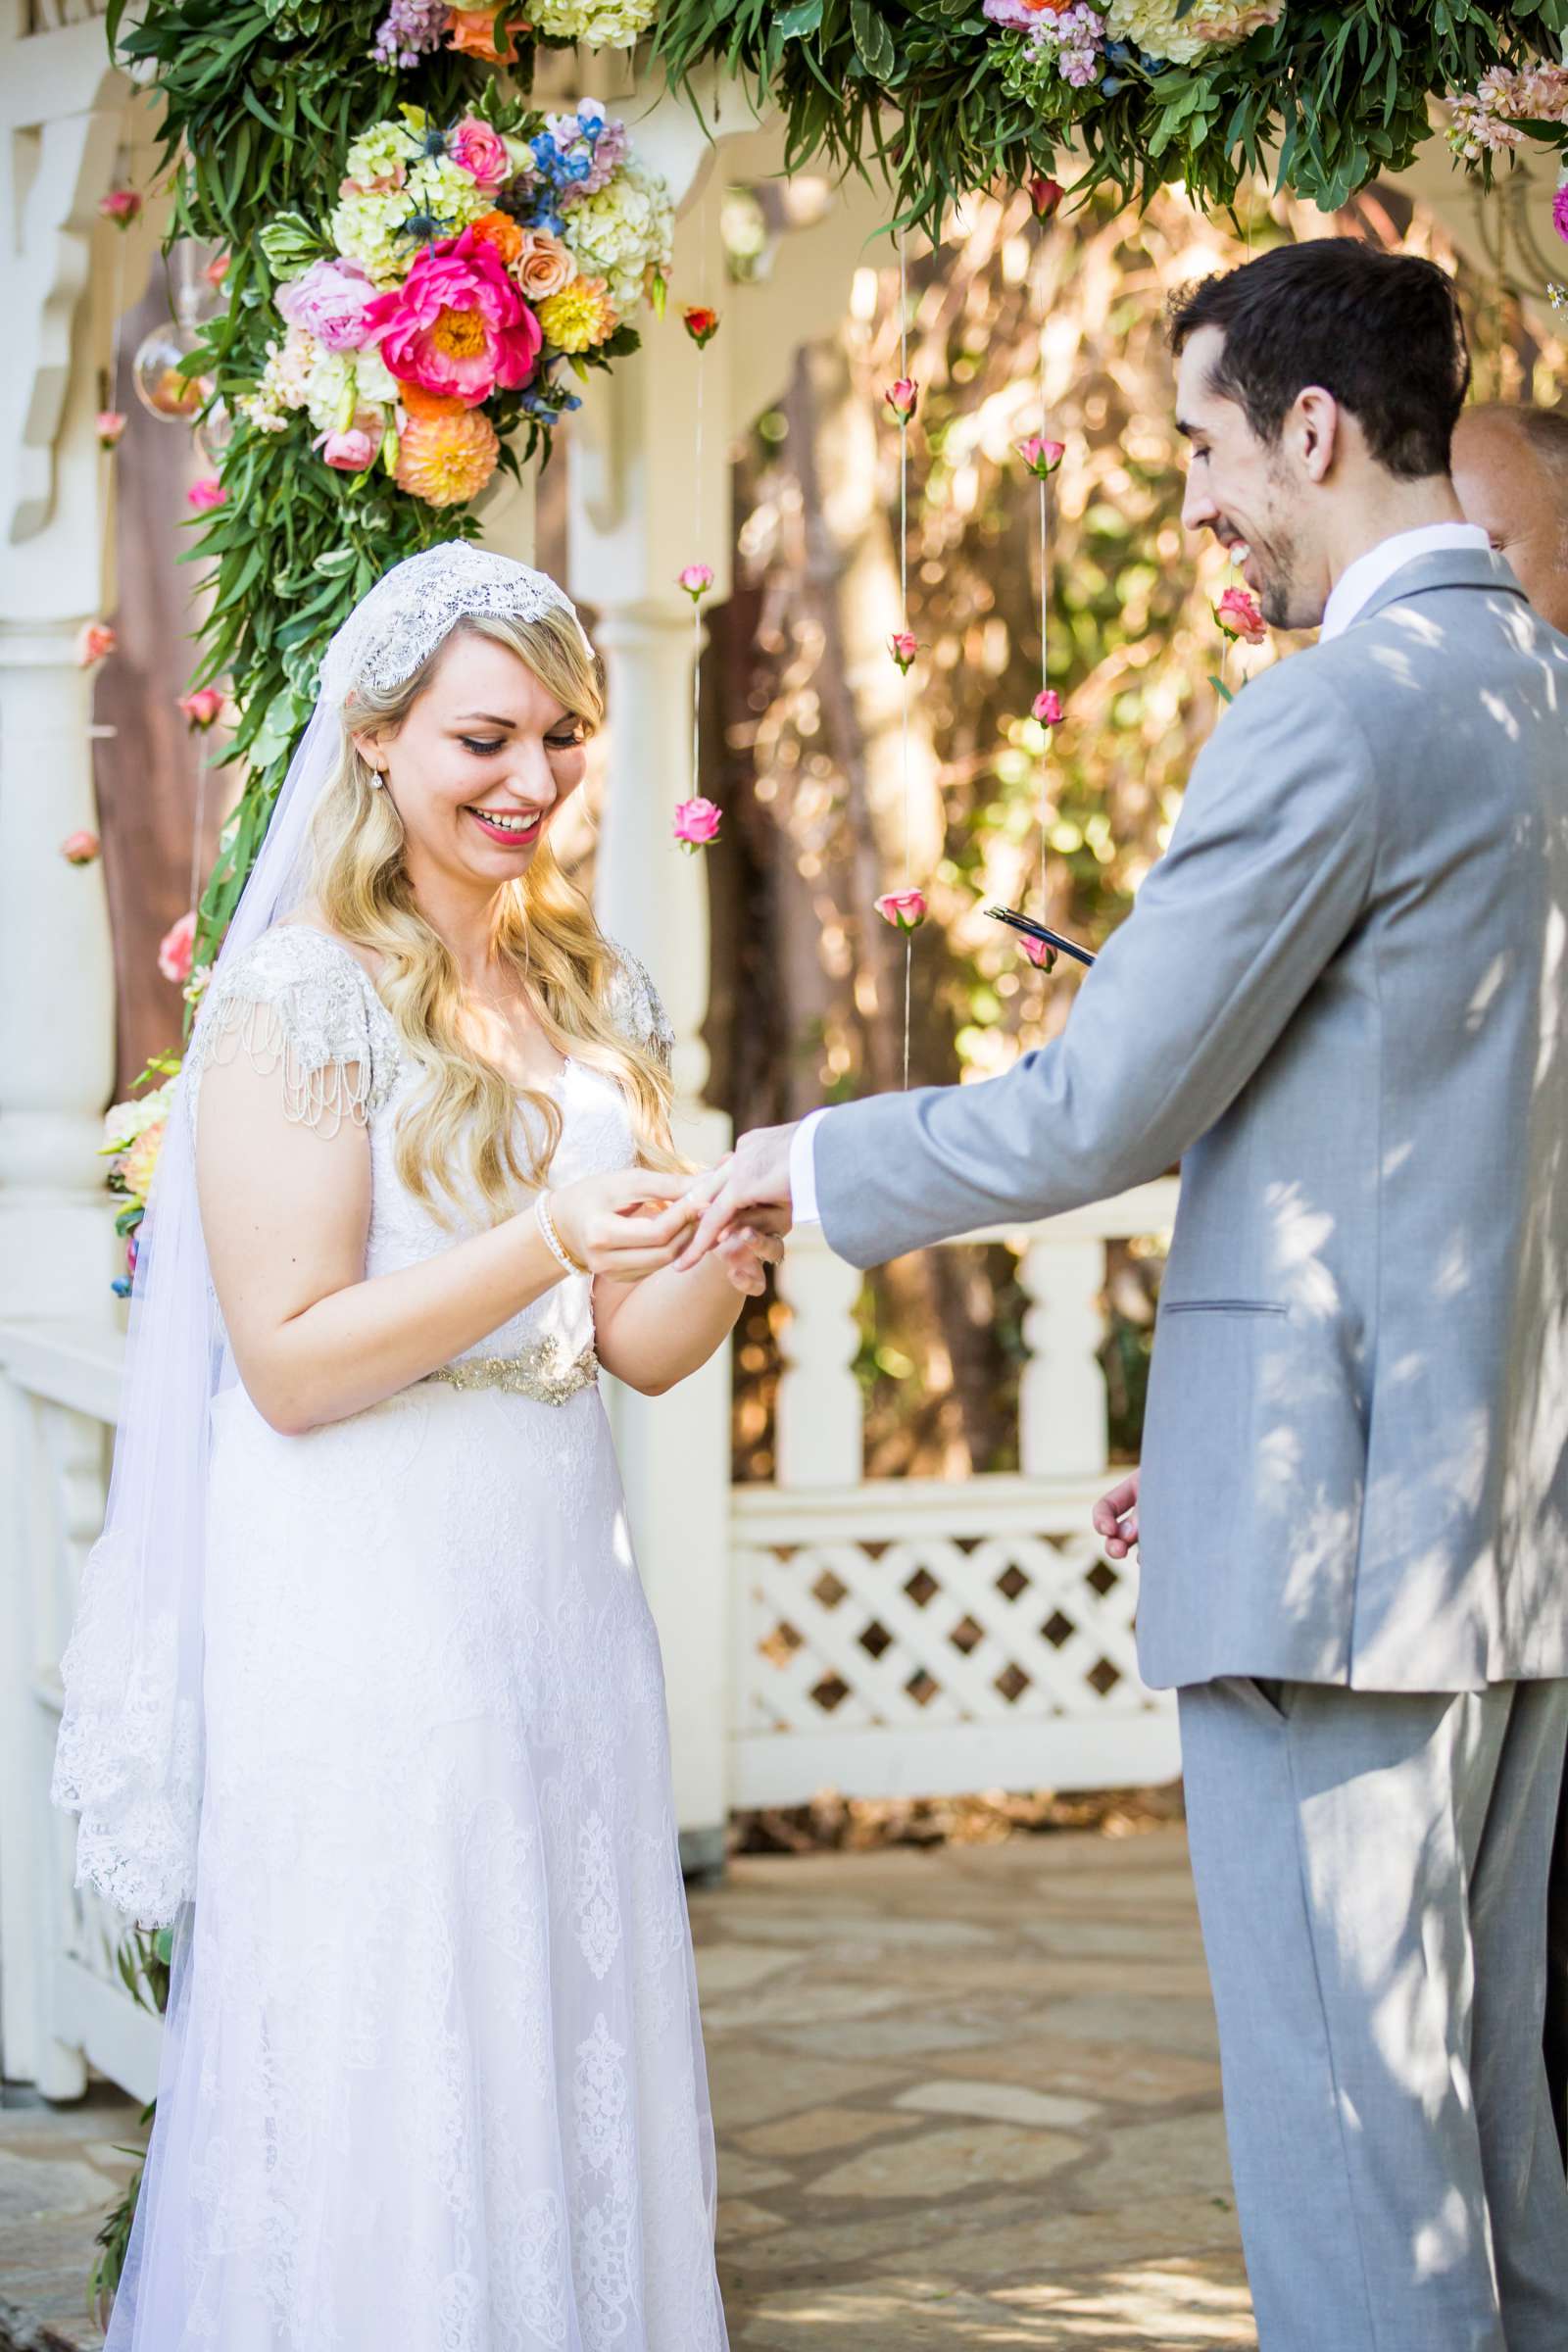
(1371, 1874)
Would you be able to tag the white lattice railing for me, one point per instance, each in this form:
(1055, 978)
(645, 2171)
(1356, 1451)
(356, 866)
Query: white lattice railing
(919, 1637)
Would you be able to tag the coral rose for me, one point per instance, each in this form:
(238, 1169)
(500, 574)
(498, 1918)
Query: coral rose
(174, 949)
(96, 642)
(447, 460)
(1238, 616)
(201, 710)
(470, 32)
(80, 848)
(502, 232)
(544, 265)
(457, 325)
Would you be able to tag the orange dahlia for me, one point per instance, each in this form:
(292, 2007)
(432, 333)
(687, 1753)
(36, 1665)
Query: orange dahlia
(447, 460)
(502, 232)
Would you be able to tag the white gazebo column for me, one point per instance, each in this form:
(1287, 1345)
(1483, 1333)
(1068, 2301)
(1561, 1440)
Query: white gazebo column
(633, 526)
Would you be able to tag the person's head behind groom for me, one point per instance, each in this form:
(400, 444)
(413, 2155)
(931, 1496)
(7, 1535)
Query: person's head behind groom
(1318, 388)
(1510, 469)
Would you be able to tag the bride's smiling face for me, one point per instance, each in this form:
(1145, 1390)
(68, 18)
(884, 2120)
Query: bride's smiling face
(482, 761)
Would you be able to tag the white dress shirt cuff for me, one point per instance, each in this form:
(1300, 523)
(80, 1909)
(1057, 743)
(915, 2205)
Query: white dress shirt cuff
(802, 1171)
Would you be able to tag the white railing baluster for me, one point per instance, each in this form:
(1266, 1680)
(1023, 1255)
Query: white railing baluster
(1062, 1403)
(821, 1414)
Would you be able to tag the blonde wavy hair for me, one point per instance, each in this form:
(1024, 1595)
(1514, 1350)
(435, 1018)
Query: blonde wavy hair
(465, 1116)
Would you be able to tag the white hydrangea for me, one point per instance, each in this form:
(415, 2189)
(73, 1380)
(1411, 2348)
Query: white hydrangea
(330, 393)
(375, 378)
(368, 228)
(601, 23)
(1161, 29)
(124, 1122)
(624, 231)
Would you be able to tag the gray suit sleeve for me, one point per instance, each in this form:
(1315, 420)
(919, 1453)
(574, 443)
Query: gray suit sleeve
(1269, 870)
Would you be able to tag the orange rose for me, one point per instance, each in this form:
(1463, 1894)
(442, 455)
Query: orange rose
(502, 232)
(416, 402)
(470, 30)
(544, 265)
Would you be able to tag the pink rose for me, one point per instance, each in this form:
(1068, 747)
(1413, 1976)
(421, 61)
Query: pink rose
(696, 823)
(903, 648)
(329, 301)
(1041, 456)
(1040, 951)
(544, 265)
(121, 205)
(1238, 616)
(80, 848)
(457, 325)
(206, 494)
(201, 708)
(902, 398)
(350, 452)
(96, 642)
(174, 949)
(481, 151)
(1046, 707)
(696, 579)
(110, 425)
(904, 909)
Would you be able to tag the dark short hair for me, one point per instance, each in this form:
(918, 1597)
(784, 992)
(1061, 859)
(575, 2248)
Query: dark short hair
(1382, 331)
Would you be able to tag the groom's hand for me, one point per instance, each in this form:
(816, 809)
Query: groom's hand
(751, 1187)
(1116, 1518)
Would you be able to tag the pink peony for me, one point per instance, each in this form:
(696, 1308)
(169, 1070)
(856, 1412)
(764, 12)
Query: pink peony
(352, 452)
(200, 710)
(696, 823)
(1047, 706)
(480, 152)
(204, 494)
(696, 579)
(903, 648)
(1238, 616)
(1041, 456)
(110, 424)
(96, 642)
(902, 398)
(80, 848)
(1559, 211)
(329, 301)
(174, 949)
(904, 909)
(458, 324)
(121, 205)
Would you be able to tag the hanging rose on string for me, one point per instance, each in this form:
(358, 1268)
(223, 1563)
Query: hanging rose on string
(903, 398)
(1041, 954)
(904, 909)
(1045, 195)
(204, 494)
(696, 579)
(110, 425)
(696, 823)
(95, 644)
(700, 324)
(174, 949)
(903, 648)
(1041, 456)
(202, 709)
(80, 848)
(122, 206)
(1239, 615)
(216, 268)
(1046, 707)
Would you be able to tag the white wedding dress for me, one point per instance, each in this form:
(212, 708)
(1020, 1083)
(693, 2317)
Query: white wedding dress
(443, 2087)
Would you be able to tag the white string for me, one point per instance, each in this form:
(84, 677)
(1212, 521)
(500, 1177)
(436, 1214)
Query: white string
(903, 605)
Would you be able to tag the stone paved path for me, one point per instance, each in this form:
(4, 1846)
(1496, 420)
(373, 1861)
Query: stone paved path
(965, 2098)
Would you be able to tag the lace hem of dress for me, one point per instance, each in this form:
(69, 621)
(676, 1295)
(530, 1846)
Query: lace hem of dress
(316, 1094)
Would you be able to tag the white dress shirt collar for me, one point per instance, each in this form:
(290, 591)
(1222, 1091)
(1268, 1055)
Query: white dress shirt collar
(1360, 581)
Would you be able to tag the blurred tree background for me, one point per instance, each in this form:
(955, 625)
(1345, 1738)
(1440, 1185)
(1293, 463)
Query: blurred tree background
(1015, 326)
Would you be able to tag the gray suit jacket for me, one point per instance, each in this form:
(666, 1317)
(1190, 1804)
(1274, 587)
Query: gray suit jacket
(1342, 1003)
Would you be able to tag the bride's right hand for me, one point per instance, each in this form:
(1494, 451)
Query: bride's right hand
(627, 1224)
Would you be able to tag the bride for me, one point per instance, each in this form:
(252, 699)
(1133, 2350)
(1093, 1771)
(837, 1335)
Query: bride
(363, 1695)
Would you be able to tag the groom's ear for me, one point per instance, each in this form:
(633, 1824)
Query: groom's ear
(1313, 430)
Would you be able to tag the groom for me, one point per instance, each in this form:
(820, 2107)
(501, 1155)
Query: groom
(1341, 1004)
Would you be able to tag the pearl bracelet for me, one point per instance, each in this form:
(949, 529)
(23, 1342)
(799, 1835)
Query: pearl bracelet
(552, 1239)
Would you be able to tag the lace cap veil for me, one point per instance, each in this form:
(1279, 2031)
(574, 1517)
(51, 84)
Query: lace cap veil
(129, 1756)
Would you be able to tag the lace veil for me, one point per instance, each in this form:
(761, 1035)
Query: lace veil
(129, 1755)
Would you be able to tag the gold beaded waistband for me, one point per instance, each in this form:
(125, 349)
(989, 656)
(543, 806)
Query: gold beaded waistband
(544, 1372)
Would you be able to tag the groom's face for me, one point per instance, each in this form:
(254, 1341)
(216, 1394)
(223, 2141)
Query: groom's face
(1243, 489)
